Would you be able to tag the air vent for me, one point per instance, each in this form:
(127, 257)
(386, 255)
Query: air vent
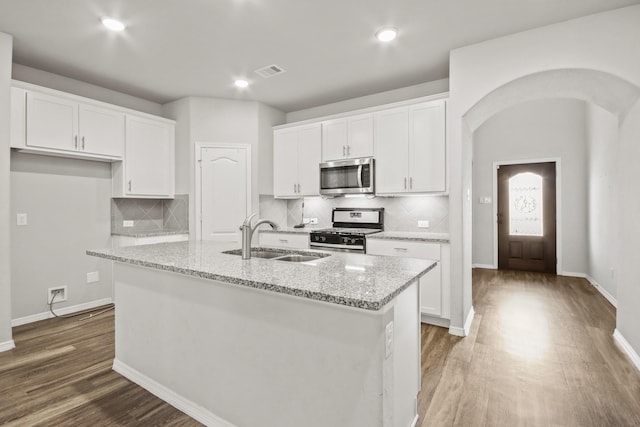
(270, 71)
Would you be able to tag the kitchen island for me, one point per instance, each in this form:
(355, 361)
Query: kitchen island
(262, 342)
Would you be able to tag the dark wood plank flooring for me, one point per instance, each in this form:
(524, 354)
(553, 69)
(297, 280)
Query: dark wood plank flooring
(540, 353)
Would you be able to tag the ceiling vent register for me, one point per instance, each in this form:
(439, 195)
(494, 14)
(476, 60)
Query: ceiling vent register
(270, 71)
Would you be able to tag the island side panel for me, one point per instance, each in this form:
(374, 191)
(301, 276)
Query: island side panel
(252, 357)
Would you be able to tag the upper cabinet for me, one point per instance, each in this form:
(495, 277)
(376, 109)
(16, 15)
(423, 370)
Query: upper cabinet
(148, 168)
(58, 125)
(296, 156)
(347, 138)
(410, 149)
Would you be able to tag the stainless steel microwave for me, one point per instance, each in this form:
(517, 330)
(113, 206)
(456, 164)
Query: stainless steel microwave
(353, 176)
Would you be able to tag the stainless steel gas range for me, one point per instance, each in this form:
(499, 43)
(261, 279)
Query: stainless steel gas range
(350, 227)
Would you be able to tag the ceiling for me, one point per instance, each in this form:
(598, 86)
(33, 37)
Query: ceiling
(177, 48)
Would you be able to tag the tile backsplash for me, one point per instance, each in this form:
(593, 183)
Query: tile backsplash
(401, 213)
(150, 215)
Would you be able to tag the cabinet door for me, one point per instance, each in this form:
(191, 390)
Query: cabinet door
(427, 147)
(149, 168)
(334, 139)
(431, 292)
(309, 148)
(392, 150)
(52, 122)
(101, 131)
(360, 136)
(18, 117)
(285, 162)
(285, 240)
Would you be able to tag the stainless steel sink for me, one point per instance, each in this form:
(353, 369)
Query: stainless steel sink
(259, 253)
(280, 255)
(297, 258)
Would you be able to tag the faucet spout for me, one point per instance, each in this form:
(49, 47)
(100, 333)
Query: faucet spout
(247, 233)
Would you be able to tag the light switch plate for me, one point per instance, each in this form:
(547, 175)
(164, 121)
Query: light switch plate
(484, 200)
(93, 277)
(127, 223)
(21, 219)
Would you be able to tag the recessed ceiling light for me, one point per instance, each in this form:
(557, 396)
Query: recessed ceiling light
(241, 83)
(113, 24)
(386, 34)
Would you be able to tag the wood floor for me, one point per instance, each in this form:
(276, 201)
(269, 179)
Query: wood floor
(540, 353)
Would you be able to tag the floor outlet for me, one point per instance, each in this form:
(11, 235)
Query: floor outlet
(58, 294)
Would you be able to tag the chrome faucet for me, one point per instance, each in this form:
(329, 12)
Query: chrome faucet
(247, 233)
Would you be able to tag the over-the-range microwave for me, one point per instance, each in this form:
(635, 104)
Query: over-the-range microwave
(352, 176)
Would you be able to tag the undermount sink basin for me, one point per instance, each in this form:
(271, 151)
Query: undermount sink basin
(297, 258)
(280, 255)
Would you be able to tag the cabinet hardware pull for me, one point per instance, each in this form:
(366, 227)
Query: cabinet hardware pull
(348, 150)
(129, 185)
(298, 188)
(410, 182)
(405, 182)
(83, 142)
(75, 141)
(294, 188)
(344, 150)
(284, 241)
(401, 249)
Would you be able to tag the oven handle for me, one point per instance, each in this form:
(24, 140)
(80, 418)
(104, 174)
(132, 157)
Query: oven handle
(360, 176)
(337, 246)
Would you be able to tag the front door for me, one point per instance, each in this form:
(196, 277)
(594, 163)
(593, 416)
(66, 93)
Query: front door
(527, 217)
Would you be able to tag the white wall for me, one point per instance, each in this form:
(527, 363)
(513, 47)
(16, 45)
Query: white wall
(605, 42)
(6, 49)
(530, 131)
(68, 203)
(267, 118)
(602, 140)
(180, 112)
(396, 95)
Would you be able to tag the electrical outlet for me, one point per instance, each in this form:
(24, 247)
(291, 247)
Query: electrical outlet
(306, 220)
(423, 224)
(127, 223)
(388, 340)
(313, 220)
(60, 294)
(93, 277)
(21, 219)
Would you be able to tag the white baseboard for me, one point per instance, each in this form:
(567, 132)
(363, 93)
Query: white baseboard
(487, 266)
(433, 320)
(626, 347)
(64, 310)
(7, 345)
(415, 421)
(195, 411)
(595, 284)
(464, 331)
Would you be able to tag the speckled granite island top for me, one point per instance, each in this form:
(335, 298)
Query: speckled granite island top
(362, 281)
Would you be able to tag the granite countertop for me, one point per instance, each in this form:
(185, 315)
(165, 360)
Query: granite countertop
(362, 281)
(149, 233)
(420, 236)
(290, 230)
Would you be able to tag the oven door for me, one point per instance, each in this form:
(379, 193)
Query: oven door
(336, 248)
(353, 176)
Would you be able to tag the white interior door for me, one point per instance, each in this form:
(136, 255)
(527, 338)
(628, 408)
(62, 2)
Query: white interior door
(223, 192)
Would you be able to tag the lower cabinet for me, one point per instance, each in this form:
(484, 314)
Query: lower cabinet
(285, 240)
(434, 286)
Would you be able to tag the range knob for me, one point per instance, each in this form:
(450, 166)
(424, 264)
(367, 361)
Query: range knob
(323, 238)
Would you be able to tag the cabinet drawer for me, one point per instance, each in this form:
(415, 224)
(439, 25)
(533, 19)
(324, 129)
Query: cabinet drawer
(285, 240)
(405, 248)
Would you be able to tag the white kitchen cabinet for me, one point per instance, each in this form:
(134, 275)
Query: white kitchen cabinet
(410, 148)
(296, 156)
(58, 125)
(347, 138)
(434, 285)
(148, 168)
(285, 240)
